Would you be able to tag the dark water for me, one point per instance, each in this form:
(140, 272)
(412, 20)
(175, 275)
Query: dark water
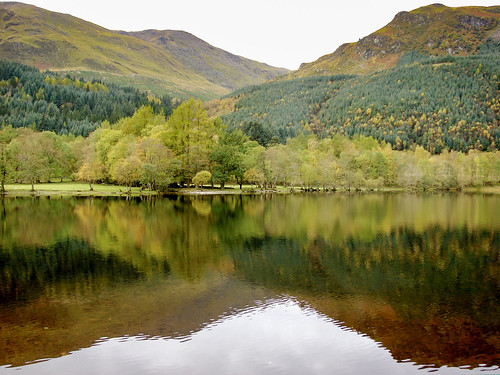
(320, 284)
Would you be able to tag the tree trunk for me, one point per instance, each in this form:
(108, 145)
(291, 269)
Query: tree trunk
(91, 188)
(239, 181)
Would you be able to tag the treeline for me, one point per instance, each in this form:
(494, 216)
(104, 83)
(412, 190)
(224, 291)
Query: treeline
(63, 104)
(449, 102)
(190, 148)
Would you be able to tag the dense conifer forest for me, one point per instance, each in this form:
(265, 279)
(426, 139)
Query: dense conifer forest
(63, 104)
(439, 103)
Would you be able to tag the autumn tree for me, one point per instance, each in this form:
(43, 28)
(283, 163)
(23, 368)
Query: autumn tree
(30, 157)
(160, 168)
(191, 135)
(253, 176)
(348, 173)
(141, 123)
(59, 156)
(202, 178)
(228, 158)
(127, 171)
(105, 140)
(91, 168)
(6, 136)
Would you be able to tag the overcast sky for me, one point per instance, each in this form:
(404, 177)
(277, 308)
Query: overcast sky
(281, 33)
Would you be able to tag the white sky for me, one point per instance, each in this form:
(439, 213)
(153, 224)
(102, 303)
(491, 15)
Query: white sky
(281, 33)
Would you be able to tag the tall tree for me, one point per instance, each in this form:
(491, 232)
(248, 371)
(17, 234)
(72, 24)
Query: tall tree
(30, 156)
(191, 135)
(91, 168)
(6, 136)
(228, 158)
(128, 171)
(160, 168)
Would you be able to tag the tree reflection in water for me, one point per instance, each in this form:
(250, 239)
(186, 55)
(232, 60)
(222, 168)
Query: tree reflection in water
(417, 273)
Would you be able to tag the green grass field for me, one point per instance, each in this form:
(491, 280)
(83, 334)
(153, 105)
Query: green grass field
(83, 189)
(72, 188)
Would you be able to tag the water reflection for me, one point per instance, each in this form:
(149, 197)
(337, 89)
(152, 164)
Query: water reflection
(418, 274)
(320, 346)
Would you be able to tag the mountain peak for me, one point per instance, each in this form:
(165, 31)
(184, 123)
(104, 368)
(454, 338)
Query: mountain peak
(433, 30)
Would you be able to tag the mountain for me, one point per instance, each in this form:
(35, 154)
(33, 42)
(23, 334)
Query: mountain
(161, 61)
(215, 64)
(428, 78)
(448, 102)
(431, 30)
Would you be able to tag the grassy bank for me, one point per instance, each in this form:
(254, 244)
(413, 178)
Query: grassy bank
(72, 188)
(101, 190)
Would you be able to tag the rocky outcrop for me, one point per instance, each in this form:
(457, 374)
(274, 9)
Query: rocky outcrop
(407, 17)
(477, 22)
(374, 44)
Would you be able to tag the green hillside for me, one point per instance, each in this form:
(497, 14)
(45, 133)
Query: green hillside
(449, 102)
(218, 66)
(431, 30)
(56, 41)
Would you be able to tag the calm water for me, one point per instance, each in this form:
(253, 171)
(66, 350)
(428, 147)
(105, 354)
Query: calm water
(320, 284)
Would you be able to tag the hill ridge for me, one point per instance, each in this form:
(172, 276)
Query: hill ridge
(58, 41)
(217, 65)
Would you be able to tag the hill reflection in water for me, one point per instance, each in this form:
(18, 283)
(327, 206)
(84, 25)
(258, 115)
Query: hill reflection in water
(262, 339)
(415, 275)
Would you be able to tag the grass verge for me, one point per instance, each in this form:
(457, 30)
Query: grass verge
(73, 188)
(83, 189)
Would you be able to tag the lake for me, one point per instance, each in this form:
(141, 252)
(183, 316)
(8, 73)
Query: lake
(289, 284)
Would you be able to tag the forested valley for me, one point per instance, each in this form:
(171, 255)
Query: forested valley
(430, 123)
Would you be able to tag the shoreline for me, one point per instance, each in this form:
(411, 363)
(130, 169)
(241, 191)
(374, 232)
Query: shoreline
(74, 190)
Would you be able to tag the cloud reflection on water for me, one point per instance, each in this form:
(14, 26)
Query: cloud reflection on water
(263, 339)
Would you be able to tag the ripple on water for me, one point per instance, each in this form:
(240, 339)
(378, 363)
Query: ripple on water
(278, 336)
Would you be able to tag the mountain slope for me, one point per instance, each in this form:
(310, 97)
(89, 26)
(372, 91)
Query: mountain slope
(55, 41)
(217, 65)
(50, 101)
(448, 102)
(430, 30)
